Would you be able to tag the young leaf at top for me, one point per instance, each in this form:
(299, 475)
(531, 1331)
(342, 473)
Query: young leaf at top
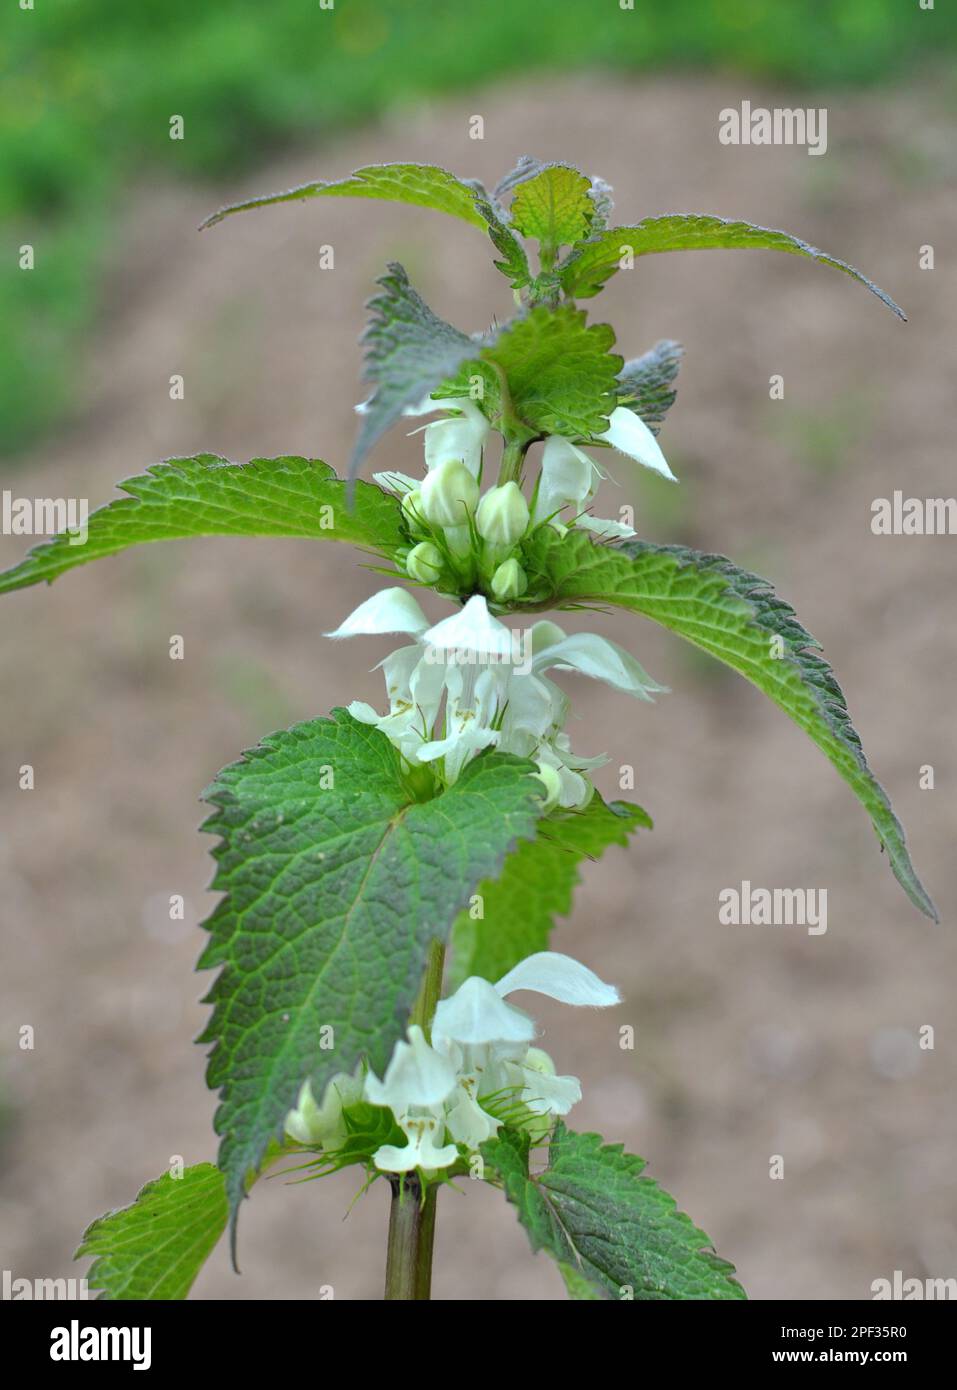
(209, 496)
(154, 1248)
(409, 352)
(536, 885)
(615, 1234)
(645, 383)
(424, 185)
(526, 167)
(554, 206)
(587, 267)
(336, 880)
(736, 617)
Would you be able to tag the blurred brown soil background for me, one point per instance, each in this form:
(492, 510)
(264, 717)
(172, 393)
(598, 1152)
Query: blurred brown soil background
(750, 1041)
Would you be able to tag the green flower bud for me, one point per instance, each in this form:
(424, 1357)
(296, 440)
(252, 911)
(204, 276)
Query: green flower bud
(448, 494)
(424, 562)
(509, 581)
(502, 517)
(553, 785)
(412, 511)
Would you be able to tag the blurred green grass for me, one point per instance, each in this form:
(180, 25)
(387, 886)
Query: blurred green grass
(91, 85)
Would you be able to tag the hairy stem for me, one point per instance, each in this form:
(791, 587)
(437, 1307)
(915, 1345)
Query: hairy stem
(408, 1271)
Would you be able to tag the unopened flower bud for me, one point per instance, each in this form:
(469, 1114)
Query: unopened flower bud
(502, 517)
(424, 562)
(509, 581)
(412, 511)
(553, 784)
(449, 493)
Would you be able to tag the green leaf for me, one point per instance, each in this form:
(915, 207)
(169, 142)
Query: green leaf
(424, 185)
(209, 496)
(409, 352)
(644, 383)
(554, 206)
(736, 617)
(562, 377)
(610, 1229)
(154, 1248)
(585, 269)
(514, 262)
(536, 885)
(336, 881)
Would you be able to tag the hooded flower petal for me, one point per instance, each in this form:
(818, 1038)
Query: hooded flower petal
(560, 977)
(390, 610)
(476, 1013)
(417, 1075)
(472, 629)
(629, 434)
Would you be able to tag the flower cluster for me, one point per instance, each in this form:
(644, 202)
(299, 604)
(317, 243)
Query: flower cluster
(462, 537)
(478, 1073)
(470, 683)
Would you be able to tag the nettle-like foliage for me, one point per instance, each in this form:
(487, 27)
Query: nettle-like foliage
(354, 849)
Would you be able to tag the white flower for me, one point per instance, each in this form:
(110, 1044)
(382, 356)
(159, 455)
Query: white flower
(480, 1070)
(417, 1082)
(629, 434)
(459, 436)
(570, 477)
(322, 1126)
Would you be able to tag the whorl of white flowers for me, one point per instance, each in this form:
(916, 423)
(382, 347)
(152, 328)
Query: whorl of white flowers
(470, 683)
(479, 1071)
(459, 532)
